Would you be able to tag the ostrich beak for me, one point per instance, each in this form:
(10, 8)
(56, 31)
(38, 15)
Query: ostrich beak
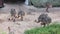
(36, 21)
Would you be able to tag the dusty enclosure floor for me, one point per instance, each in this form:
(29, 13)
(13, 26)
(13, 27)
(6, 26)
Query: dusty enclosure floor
(20, 26)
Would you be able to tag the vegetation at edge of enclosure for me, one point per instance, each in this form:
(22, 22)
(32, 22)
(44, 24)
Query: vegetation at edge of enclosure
(52, 29)
(41, 3)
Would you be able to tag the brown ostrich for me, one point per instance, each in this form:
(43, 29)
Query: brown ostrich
(44, 19)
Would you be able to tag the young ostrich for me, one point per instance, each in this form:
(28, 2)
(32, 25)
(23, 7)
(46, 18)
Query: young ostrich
(44, 19)
(10, 30)
(13, 15)
(48, 5)
(21, 14)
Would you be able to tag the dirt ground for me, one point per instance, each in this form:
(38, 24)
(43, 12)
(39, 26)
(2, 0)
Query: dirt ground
(19, 27)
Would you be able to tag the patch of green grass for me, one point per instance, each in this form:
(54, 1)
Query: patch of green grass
(52, 29)
(2, 32)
